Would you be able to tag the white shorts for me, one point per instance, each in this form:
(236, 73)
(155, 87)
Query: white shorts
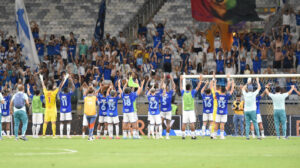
(136, 116)
(207, 117)
(155, 119)
(188, 117)
(102, 119)
(65, 116)
(6, 119)
(37, 118)
(84, 121)
(166, 115)
(129, 117)
(221, 118)
(113, 120)
(258, 118)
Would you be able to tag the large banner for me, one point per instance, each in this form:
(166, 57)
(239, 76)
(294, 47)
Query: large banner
(228, 11)
(25, 37)
(99, 29)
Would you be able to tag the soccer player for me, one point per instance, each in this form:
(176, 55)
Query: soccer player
(112, 111)
(258, 117)
(37, 111)
(166, 105)
(66, 109)
(208, 104)
(222, 111)
(6, 117)
(2, 102)
(18, 109)
(250, 107)
(90, 101)
(279, 108)
(188, 114)
(128, 109)
(155, 119)
(50, 102)
(102, 102)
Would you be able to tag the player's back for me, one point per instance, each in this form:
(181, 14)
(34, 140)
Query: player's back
(50, 98)
(222, 103)
(153, 104)
(65, 102)
(128, 100)
(5, 106)
(208, 103)
(166, 101)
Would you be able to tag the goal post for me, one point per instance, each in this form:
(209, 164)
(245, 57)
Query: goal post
(267, 106)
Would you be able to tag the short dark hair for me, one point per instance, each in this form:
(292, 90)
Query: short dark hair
(277, 89)
(188, 87)
(37, 92)
(223, 89)
(127, 90)
(207, 91)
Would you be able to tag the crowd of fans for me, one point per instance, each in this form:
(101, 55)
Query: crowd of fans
(154, 52)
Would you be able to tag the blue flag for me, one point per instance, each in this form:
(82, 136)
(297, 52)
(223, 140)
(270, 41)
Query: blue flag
(24, 36)
(99, 29)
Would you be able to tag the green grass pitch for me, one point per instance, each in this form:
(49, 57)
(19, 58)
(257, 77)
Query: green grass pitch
(149, 153)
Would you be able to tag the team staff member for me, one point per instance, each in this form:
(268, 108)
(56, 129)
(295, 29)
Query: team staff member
(238, 118)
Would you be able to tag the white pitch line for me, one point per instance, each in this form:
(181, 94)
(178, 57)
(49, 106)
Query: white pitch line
(64, 151)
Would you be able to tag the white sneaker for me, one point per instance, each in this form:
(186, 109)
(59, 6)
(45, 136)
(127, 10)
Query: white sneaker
(69, 137)
(61, 136)
(167, 137)
(54, 137)
(83, 136)
(263, 136)
(90, 139)
(222, 137)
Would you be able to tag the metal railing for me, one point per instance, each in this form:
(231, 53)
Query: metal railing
(143, 16)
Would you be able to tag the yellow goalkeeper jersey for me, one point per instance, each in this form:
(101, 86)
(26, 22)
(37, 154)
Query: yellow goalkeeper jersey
(50, 98)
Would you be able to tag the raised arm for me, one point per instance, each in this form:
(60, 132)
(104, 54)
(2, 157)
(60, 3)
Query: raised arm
(200, 82)
(203, 89)
(64, 81)
(267, 89)
(28, 90)
(42, 81)
(72, 83)
(181, 78)
(291, 90)
(173, 83)
(258, 84)
(139, 91)
(119, 87)
(232, 87)
(228, 82)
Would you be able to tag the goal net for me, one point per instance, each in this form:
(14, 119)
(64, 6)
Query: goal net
(284, 81)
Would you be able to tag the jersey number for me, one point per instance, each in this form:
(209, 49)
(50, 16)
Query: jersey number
(153, 105)
(207, 102)
(111, 106)
(221, 103)
(63, 101)
(127, 102)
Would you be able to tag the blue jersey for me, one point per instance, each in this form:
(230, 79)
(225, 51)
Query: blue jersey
(102, 102)
(166, 101)
(128, 100)
(257, 104)
(208, 103)
(5, 106)
(112, 110)
(222, 103)
(65, 102)
(153, 104)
